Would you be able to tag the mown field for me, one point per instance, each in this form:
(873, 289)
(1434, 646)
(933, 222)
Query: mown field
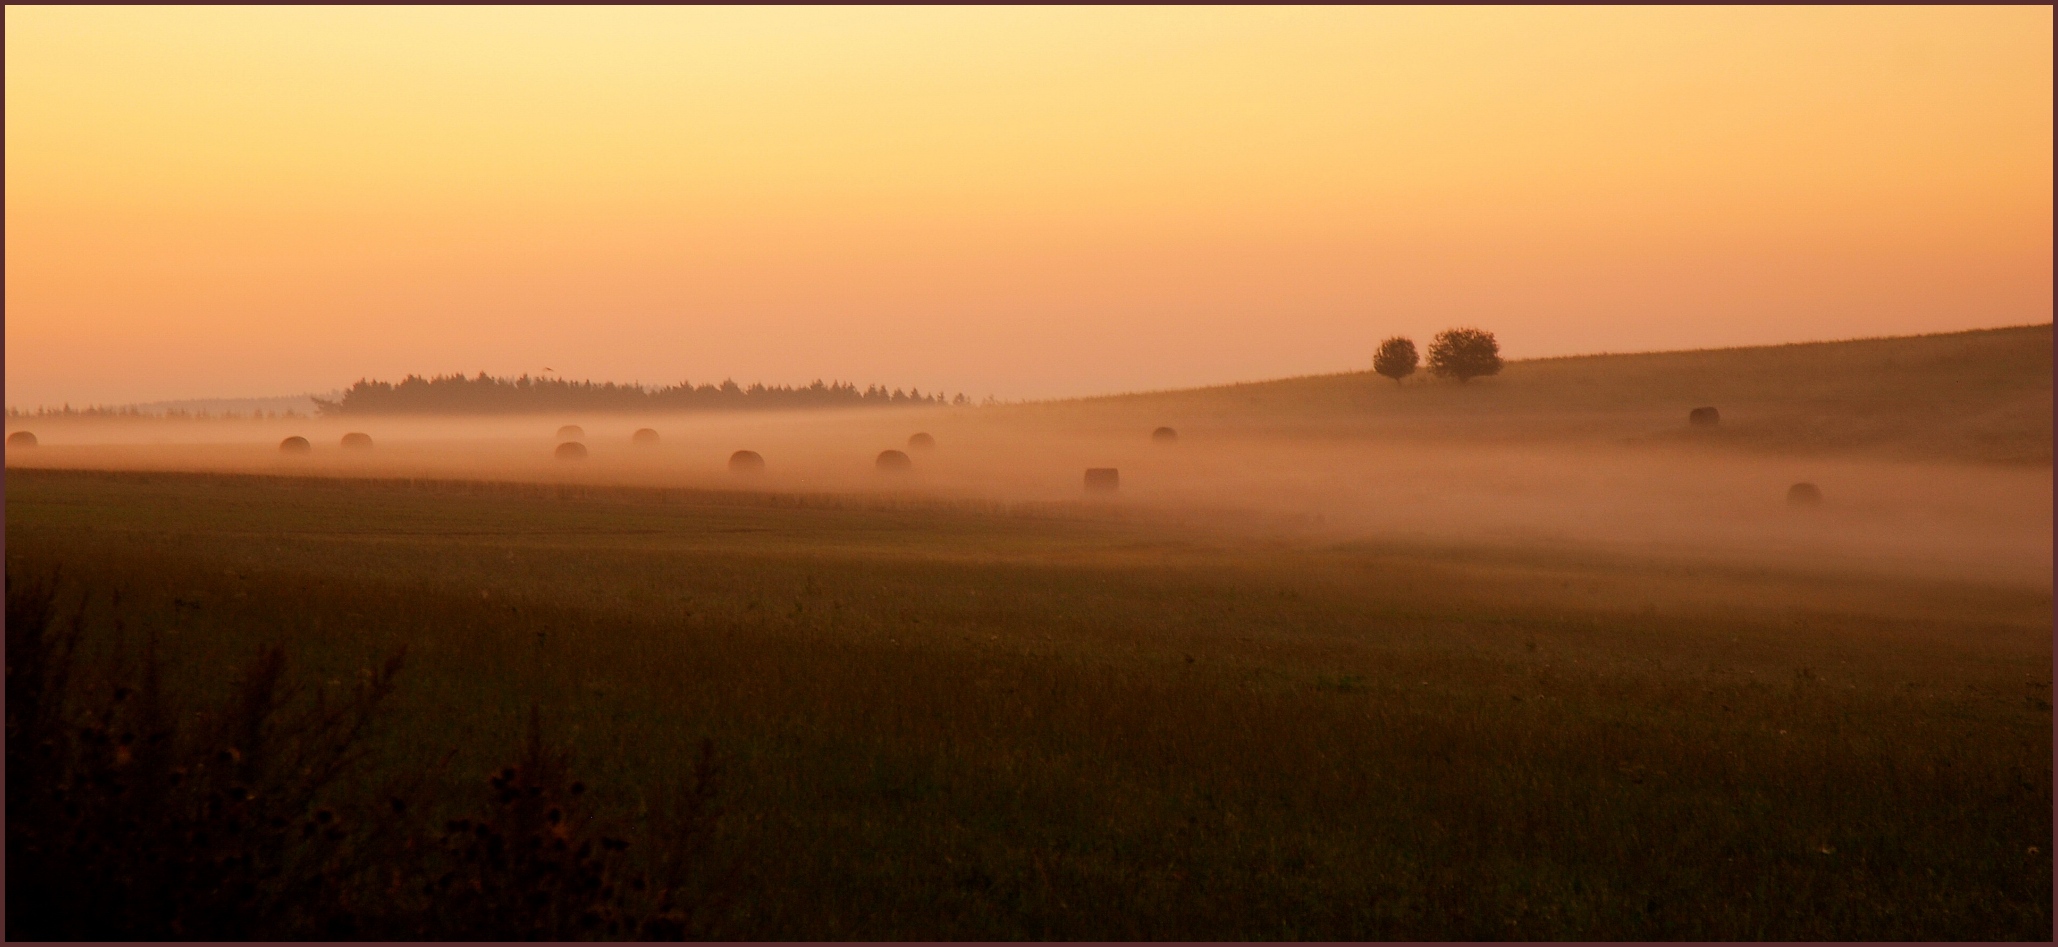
(944, 720)
(1982, 397)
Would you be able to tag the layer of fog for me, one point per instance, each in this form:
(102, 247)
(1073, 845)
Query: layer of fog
(1981, 523)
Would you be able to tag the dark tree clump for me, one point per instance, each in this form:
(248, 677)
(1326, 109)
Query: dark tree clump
(1396, 358)
(1464, 354)
(486, 394)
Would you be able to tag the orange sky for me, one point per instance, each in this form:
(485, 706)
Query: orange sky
(1022, 202)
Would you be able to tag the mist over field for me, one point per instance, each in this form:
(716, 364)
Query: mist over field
(1336, 657)
(1959, 490)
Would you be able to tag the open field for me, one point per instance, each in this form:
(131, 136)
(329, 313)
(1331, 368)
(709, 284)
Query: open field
(1982, 396)
(943, 721)
(1524, 658)
(1933, 451)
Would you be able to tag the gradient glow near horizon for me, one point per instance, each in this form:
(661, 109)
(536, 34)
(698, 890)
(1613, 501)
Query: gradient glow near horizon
(1020, 202)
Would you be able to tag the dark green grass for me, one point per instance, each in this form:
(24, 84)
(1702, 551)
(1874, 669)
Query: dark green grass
(962, 723)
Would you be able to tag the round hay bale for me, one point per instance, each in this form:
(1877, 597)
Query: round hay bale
(1704, 417)
(746, 462)
(1804, 494)
(921, 441)
(21, 439)
(644, 436)
(571, 432)
(1103, 479)
(571, 450)
(356, 441)
(295, 445)
(1165, 435)
(893, 460)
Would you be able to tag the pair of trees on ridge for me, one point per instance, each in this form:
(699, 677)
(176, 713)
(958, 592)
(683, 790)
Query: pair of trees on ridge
(1463, 354)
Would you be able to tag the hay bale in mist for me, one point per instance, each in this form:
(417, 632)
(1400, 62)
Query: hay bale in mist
(893, 460)
(1103, 479)
(295, 445)
(746, 462)
(1165, 435)
(921, 441)
(1804, 494)
(644, 437)
(1704, 417)
(356, 441)
(21, 439)
(571, 450)
(571, 432)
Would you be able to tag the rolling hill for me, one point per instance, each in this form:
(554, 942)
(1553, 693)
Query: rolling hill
(1981, 396)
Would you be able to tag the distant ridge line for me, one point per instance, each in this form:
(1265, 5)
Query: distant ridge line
(1316, 376)
(730, 396)
(1784, 345)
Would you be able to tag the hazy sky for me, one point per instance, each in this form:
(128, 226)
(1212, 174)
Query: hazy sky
(1023, 202)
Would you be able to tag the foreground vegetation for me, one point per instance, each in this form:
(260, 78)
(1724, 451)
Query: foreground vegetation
(937, 722)
(136, 814)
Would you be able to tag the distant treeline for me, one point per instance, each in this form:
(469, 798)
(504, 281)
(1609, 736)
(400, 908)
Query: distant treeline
(121, 412)
(486, 394)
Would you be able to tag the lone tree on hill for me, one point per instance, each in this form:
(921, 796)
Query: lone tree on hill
(1396, 358)
(1464, 354)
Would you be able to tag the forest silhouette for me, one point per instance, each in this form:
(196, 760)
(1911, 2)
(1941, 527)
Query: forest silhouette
(486, 394)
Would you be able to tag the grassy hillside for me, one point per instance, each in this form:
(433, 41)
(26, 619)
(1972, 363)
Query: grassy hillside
(1982, 396)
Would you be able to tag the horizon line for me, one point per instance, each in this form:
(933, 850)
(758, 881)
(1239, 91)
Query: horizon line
(311, 395)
